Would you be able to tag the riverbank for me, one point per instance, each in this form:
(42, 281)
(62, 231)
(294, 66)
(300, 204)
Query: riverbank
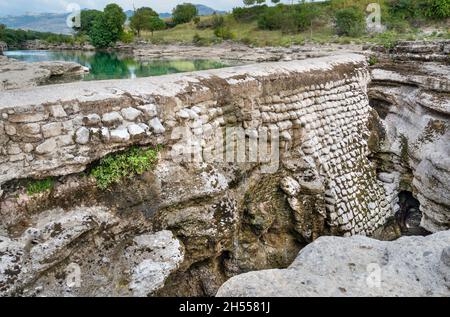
(15, 74)
(184, 58)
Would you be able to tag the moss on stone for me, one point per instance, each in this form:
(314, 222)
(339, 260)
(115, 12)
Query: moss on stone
(116, 167)
(39, 186)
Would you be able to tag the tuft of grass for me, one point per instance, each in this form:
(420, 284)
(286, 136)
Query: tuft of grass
(114, 168)
(39, 186)
(373, 60)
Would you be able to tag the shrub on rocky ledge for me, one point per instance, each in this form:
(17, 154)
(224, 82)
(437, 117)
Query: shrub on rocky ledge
(116, 167)
(39, 186)
(350, 21)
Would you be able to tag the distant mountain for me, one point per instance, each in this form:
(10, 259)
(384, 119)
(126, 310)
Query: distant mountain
(43, 22)
(202, 10)
(56, 22)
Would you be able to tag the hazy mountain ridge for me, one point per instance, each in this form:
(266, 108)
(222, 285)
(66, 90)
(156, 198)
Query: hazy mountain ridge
(56, 22)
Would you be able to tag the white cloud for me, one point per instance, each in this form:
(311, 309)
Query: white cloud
(8, 7)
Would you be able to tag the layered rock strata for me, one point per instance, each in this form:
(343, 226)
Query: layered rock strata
(411, 139)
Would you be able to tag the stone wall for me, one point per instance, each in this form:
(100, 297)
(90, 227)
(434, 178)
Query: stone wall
(320, 108)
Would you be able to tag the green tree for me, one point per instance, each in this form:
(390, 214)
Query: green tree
(116, 18)
(100, 33)
(107, 27)
(184, 13)
(156, 24)
(87, 20)
(141, 19)
(306, 14)
(350, 21)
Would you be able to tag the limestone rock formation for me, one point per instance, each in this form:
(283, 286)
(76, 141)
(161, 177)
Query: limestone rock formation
(15, 74)
(84, 246)
(254, 162)
(3, 47)
(413, 108)
(356, 266)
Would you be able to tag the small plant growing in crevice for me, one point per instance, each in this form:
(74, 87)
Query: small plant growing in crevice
(39, 186)
(373, 60)
(114, 168)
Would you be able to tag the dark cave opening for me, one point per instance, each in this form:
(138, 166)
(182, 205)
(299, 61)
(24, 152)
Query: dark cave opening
(381, 106)
(409, 216)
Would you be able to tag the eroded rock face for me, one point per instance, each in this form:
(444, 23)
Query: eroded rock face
(227, 216)
(413, 108)
(85, 251)
(356, 266)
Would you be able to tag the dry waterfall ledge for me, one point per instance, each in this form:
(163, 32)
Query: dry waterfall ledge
(185, 228)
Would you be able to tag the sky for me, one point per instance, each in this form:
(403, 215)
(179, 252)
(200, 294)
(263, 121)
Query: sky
(18, 7)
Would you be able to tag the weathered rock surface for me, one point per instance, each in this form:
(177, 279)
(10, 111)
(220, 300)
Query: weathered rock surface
(231, 218)
(229, 215)
(3, 47)
(17, 75)
(356, 266)
(413, 107)
(242, 53)
(85, 251)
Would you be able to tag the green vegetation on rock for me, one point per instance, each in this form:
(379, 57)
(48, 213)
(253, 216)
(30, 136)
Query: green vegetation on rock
(39, 186)
(113, 168)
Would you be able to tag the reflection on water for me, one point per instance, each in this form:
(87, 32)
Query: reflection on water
(106, 65)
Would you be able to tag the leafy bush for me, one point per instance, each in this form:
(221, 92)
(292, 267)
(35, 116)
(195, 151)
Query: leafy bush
(271, 18)
(350, 21)
(289, 19)
(114, 168)
(412, 10)
(224, 33)
(437, 9)
(214, 22)
(388, 39)
(306, 13)
(127, 37)
(40, 186)
(248, 14)
(184, 13)
(198, 40)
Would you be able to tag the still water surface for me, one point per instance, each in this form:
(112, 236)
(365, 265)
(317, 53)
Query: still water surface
(107, 65)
